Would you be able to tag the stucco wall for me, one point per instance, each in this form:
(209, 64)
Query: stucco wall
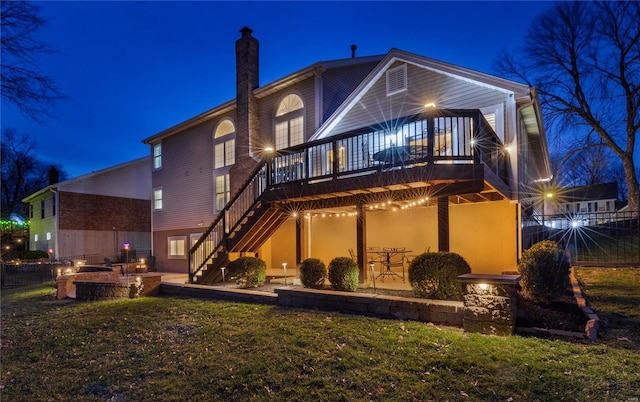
(483, 233)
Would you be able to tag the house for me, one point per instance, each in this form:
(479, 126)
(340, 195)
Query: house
(93, 215)
(393, 150)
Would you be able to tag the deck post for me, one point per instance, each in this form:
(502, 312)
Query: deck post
(443, 224)
(361, 242)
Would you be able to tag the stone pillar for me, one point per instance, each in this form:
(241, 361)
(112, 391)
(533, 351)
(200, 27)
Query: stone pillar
(490, 303)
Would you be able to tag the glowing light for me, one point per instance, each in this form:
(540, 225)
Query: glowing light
(295, 214)
(430, 104)
(575, 224)
(268, 149)
(483, 286)
(507, 148)
(549, 195)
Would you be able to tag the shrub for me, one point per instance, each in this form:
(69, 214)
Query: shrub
(343, 274)
(249, 272)
(544, 271)
(33, 255)
(313, 272)
(433, 275)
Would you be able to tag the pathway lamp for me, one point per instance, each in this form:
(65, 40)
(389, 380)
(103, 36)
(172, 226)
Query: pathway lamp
(284, 266)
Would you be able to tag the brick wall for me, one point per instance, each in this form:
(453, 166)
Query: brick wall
(99, 212)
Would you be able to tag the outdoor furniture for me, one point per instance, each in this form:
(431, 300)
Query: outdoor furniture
(391, 257)
(392, 154)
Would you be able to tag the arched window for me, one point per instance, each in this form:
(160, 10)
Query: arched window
(224, 144)
(289, 122)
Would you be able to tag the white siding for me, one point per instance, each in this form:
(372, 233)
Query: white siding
(423, 86)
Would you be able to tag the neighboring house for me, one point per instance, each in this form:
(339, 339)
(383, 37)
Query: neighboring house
(94, 214)
(392, 150)
(591, 204)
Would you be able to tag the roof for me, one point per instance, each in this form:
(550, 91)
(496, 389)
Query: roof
(263, 91)
(84, 177)
(604, 191)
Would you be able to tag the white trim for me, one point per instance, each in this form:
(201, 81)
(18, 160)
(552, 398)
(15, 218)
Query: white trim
(474, 77)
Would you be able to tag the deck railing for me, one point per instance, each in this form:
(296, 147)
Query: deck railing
(436, 137)
(441, 137)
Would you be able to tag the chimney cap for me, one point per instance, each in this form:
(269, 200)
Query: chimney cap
(246, 31)
(353, 50)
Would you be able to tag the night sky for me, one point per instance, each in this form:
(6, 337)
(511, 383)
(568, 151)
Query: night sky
(132, 69)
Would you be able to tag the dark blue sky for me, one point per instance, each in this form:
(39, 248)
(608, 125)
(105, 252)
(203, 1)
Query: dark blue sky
(132, 69)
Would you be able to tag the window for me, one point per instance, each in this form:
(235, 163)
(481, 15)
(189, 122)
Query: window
(157, 156)
(289, 122)
(41, 209)
(157, 199)
(396, 80)
(48, 235)
(224, 154)
(223, 192)
(35, 237)
(224, 148)
(177, 247)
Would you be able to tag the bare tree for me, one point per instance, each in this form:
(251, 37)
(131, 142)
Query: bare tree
(22, 81)
(22, 174)
(584, 60)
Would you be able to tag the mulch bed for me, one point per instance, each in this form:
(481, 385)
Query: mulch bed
(563, 314)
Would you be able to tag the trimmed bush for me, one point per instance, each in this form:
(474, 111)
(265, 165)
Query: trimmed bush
(33, 255)
(344, 274)
(433, 275)
(248, 272)
(544, 272)
(313, 272)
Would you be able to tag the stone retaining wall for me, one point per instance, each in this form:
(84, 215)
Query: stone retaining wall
(65, 283)
(143, 285)
(208, 292)
(424, 310)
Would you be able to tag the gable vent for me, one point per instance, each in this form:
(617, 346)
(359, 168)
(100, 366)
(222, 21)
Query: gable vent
(396, 80)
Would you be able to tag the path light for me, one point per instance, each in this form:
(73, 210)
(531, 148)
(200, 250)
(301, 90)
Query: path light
(222, 269)
(284, 266)
(373, 274)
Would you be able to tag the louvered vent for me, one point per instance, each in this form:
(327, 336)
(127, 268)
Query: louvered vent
(396, 80)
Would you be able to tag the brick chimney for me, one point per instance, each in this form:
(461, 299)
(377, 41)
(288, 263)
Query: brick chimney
(247, 122)
(54, 175)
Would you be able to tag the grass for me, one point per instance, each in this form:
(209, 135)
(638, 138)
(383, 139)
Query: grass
(175, 349)
(615, 295)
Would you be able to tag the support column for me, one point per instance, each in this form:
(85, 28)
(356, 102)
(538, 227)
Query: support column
(443, 224)
(361, 242)
(299, 239)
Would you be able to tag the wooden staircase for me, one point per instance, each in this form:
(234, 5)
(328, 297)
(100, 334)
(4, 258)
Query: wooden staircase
(260, 223)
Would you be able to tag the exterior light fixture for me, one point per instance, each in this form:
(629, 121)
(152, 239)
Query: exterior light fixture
(430, 104)
(268, 149)
(575, 224)
(138, 280)
(549, 195)
(483, 286)
(507, 148)
(373, 274)
(284, 266)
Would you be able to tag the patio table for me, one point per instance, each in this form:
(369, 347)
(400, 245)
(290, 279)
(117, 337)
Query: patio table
(386, 255)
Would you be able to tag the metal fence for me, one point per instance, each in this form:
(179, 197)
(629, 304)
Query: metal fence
(590, 238)
(26, 273)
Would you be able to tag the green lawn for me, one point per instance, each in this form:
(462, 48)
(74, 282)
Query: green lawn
(173, 349)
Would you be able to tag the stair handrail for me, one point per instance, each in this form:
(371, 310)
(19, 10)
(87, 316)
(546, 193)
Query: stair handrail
(225, 222)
